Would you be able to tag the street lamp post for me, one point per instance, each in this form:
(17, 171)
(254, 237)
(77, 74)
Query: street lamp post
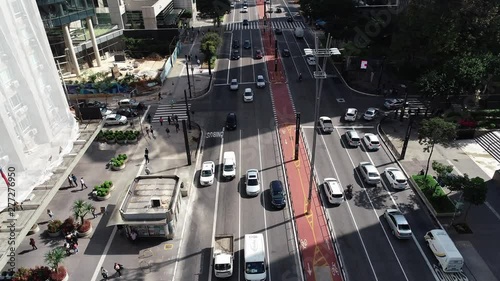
(189, 81)
(319, 75)
(404, 103)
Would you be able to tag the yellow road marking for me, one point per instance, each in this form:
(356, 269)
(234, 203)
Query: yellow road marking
(168, 247)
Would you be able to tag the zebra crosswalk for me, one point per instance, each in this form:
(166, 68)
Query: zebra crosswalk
(255, 25)
(165, 110)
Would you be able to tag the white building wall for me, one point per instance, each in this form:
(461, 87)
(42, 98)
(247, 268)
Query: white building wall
(36, 126)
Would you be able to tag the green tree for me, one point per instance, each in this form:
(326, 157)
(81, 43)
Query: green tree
(475, 193)
(214, 9)
(435, 131)
(208, 46)
(81, 209)
(54, 258)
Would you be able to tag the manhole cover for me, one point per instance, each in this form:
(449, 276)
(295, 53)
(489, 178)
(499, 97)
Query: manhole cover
(340, 100)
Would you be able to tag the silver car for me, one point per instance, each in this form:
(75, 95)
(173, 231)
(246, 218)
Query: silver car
(369, 173)
(398, 224)
(396, 178)
(115, 119)
(252, 182)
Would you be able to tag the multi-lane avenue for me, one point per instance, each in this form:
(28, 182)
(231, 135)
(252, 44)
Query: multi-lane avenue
(366, 245)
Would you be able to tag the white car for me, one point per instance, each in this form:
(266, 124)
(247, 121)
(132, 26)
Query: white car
(370, 114)
(333, 191)
(325, 124)
(261, 83)
(105, 111)
(353, 138)
(207, 173)
(252, 182)
(234, 85)
(371, 141)
(396, 178)
(311, 60)
(351, 114)
(248, 95)
(115, 119)
(369, 173)
(398, 224)
(245, 9)
(232, 4)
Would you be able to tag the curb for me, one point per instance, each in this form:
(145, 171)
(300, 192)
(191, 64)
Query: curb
(419, 194)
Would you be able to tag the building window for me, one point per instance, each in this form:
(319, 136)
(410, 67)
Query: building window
(14, 101)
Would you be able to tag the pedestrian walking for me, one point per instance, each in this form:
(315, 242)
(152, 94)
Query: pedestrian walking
(198, 62)
(161, 120)
(75, 180)
(75, 248)
(147, 131)
(51, 215)
(186, 57)
(118, 267)
(159, 96)
(152, 133)
(147, 170)
(168, 132)
(177, 127)
(82, 182)
(196, 57)
(67, 247)
(149, 118)
(104, 273)
(70, 181)
(33, 244)
(146, 157)
(169, 120)
(146, 151)
(93, 212)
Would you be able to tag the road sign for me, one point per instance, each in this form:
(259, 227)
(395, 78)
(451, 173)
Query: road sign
(364, 64)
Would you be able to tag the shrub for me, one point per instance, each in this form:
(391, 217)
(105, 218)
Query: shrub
(434, 193)
(130, 135)
(120, 135)
(100, 135)
(137, 133)
(109, 135)
(39, 273)
(119, 160)
(54, 226)
(85, 226)
(103, 189)
(122, 157)
(68, 225)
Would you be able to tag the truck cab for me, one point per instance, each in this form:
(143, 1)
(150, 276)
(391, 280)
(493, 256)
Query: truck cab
(229, 165)
(223, 256)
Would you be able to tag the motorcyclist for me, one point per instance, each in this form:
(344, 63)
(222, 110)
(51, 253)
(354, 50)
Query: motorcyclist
(300, 76)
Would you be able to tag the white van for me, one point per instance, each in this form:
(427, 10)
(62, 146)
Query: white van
(229, 165)
(444, 250)
(333, 191)
(255, 257)
(299, 32)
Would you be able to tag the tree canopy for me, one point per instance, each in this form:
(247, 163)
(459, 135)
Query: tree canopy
(209, 44)
(213, 8)
(435, 131)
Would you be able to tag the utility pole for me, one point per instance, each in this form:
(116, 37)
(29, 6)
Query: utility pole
(407, 136)
(381, 73)
(319, 75)
(297, 135)
(189, 81)
(186, 142)
(404, 103)
(187, 109)
(192, 75)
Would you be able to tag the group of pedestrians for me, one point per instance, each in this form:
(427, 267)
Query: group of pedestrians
(73, 181)
(117, 267)
(71, 243)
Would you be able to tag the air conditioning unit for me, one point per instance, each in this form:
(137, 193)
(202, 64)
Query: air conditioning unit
(155, 202)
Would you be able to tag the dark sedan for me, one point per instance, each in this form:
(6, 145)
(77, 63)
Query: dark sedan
(277, 194)
(128, 112)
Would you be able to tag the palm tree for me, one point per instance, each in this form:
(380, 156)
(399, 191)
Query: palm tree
(81, 209)
(55, 257)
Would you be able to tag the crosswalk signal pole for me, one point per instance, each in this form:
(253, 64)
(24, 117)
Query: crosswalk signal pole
(189, 81)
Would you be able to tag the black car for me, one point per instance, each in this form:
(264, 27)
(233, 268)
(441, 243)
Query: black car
(277, 194)
(127, 112)
(235, 55)
(96, 104)
(245, 22)
(231, 122)
(278, 31)
(285, 53)
(236, 44)
(247, 45)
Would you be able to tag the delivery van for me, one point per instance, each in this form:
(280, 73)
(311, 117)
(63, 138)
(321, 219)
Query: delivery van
(444, 250)
(255, 257)
(229, 165)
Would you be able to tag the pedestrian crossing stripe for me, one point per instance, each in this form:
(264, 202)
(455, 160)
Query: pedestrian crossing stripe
(166, 110)
(255, 25)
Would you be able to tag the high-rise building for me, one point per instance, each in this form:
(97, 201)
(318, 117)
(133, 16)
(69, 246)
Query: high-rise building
(36, 126)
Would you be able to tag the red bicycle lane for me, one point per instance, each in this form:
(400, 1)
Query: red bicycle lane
(319, 261)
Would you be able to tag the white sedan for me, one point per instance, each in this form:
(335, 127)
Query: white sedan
(261, 83)
(396, 178)
(252, 182)
(311, 60)
(371, 141)
(234, 85)
(326, 124)
(115, 119)
(248, 95)
(207, 173)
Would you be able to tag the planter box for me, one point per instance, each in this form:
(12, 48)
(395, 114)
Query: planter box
(427, 203)
(124, 141)
(114, 168)
(111, 141)
(34, 229)
(54, 234)
(99, 198)
(134, 141)
(85, 234)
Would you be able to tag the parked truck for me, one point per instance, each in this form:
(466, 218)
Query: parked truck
(223, 256)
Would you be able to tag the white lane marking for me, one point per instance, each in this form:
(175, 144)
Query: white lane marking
(289, 49)
(239, 83)
(303, 56)
(216, 208)
(486, 202)
(229, 61)
(262, 193)
(239, 211)
(388, 239)
(350, 210)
